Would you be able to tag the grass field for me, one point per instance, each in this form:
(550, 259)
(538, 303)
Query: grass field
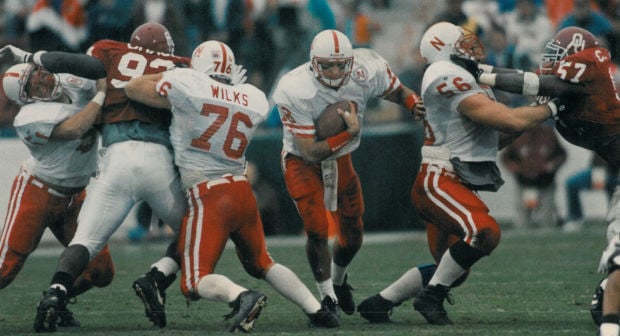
(536, 283)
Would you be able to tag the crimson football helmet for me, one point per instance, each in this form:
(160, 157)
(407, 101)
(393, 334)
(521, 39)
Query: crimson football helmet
(567, 41)
(215, 59)
(25, 82)
(331, 48)
(444, 39)
(153, 36)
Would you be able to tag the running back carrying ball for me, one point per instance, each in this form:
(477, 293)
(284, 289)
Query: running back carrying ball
(330, 122)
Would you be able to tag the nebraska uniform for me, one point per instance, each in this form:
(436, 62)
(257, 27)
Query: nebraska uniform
(49, 190)
(301, 99)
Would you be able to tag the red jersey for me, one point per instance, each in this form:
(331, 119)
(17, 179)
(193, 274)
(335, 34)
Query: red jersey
(592, 120)
(123, 62)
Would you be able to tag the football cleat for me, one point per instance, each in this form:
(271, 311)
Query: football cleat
(327, 316)
(246, 310)
(152, 297)
(345, 297)
(596, 306)
(376, 309)
(48, 310)
(429, 303)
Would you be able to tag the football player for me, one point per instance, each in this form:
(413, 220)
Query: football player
(576, 68)
(319, 174)
(462, 138)
(55, 123)
(214, 117)
(137, 165)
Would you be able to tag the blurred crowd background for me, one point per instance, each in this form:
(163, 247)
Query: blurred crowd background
(270, 37)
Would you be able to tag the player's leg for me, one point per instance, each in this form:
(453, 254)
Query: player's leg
(23, 227)
(350, 234)
(305, 186)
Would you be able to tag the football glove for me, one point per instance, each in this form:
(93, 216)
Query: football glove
(556, 105)
(237, 76)
(12, 54)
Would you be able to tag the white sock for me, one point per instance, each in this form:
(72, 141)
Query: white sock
(217, 287)
(59, 286)
(326, 288)
(609, 329)
(338, 274)
(406, 287)
(288, 285)
(447, 271)
(166, 265)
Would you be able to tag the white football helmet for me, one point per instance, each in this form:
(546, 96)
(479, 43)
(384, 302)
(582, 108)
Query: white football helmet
(443, 40)
(331, 47)
(215, 59)
(17, 86)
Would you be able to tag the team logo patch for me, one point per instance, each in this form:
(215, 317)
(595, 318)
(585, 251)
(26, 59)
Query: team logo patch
(75, 81)
(359, 74)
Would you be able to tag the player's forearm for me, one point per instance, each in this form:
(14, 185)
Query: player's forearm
(76, 126)
(78, 64)
(530, 84)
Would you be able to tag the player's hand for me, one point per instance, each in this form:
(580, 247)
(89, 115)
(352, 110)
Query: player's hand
(419, 111)
(350, 118)
(556, 106)
(470, 65)
(603, 263)
(237, 76)
(11, 54)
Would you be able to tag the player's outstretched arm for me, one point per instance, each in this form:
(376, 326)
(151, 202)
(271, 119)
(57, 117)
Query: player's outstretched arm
(82, 122)
(143, 89)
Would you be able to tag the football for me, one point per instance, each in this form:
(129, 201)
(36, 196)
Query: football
(330, 122)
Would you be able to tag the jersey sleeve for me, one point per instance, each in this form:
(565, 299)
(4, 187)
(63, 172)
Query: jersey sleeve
(450, 81)
(173, 87)
(384, 80)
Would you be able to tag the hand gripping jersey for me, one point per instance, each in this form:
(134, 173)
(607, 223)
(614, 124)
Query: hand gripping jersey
(123, 62)
(593, 120)
(67, 163)
(301, 98)
(444, 86)
(212, 122)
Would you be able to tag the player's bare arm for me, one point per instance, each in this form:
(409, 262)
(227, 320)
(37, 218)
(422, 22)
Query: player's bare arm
(82, 122)
(142, 89)
(407, 98)
(313, 151)
(485, 111)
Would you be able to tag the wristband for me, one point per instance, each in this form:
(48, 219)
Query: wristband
(553, 109)
(487, 79)
(485, 68)
(531, 83)
(339, 140)
(36, 58)
(99, 98)
(411, 100)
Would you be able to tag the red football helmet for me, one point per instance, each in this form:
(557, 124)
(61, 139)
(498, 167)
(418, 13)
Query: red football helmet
(153, 36)
(567, 41)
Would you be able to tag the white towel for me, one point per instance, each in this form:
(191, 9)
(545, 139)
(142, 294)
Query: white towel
(329, 169)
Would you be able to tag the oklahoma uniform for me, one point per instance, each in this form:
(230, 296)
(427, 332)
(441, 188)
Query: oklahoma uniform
(50, 188)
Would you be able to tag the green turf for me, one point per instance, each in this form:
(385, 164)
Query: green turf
(536, 283)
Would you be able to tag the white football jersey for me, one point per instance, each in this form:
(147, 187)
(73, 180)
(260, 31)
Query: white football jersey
(444, 86)
(300, 97)
(212, 123)
(67, 163)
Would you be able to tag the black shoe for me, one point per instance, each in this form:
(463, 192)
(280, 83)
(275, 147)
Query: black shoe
(345, 297)
(153, 298)
(48, 310)
(327, 316)
(65, 316)
(246, 309)
(429, 303)
(376, 309)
